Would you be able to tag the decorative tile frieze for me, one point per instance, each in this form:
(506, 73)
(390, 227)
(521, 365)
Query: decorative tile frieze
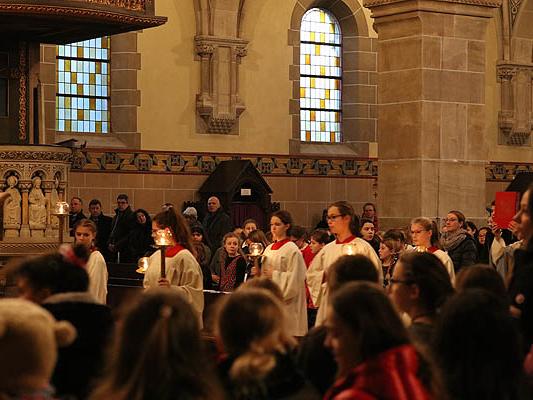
(500, 171)
(88, 160)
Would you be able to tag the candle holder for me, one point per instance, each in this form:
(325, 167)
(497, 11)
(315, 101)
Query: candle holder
(256, 251)
(163, 239)
(349, 249)
(61, 210)
(142, 265)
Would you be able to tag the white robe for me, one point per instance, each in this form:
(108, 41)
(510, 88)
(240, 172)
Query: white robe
(97, 270)
(288, 272)
(184, 274)
(448, 263)
(322, 262)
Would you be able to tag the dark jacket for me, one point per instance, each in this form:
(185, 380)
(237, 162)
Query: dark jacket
(521, 292)
(103, 226)
(464, 254)
(121, 226)
(73, 219)
(216, 225)
(284, 382)
(140, 240)
(79, 364)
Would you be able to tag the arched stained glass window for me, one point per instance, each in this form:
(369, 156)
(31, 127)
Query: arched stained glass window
(82, 99)
(320, 77)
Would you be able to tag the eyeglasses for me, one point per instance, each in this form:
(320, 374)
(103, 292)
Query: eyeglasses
(334, 217)
(404, 281)
(122, 202)
(451, 220)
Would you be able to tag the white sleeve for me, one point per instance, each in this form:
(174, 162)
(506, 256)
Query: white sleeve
(97, 270)
(315, 277)
(291, 276)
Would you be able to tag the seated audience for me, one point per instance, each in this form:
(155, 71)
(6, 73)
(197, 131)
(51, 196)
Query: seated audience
(29, 340)
(249, 225)
(191, 215)
(121, 226)
(370, 212)
(389, 253)
(216, 223)
(419, 287)
(140, 239)
(229, 268)
(372, 348)
(254, 263)
(459, 245)
(59, 282)
(103, 226)
(202, 253)
(368, 233)
(75, 213)
(157, 354)
(252, 327)
(85, 234)
(478, 348)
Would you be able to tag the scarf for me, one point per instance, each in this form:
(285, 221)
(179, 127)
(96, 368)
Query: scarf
(450, 240)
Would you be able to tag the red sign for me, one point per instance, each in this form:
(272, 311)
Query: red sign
(506, 208)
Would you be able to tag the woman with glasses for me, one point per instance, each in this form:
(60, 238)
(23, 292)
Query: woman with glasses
(425, 236)
(419, 287)
(459, 245)
(344, 224)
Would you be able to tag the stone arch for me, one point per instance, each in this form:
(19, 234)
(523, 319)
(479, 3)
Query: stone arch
(12, 171)
(359, 55)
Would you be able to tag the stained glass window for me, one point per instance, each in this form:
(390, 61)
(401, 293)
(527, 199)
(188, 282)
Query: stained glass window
(82, 99)
(320, 77)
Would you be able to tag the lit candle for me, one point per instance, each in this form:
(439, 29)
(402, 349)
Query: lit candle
(349, 249)
(142, 265)
(256, 249)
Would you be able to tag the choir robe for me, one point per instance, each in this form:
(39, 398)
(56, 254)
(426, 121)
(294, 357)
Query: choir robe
(316, 280)
(97, 271)
(447, 261)
(288, 272)
(184, 274)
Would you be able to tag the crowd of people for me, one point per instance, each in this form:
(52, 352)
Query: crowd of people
(346, 311)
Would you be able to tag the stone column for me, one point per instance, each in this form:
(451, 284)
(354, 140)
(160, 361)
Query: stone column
(47, 189)
(25, 187)
(431, 107)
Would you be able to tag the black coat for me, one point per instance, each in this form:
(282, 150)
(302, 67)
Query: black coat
(521, 292)
(73, 219)
(464, 254)
(103, 226)
(79, 364)
(121, 226)
(216, 225)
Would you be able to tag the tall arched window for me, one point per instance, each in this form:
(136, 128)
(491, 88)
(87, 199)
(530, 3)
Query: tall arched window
(320, 77)
(82, 98)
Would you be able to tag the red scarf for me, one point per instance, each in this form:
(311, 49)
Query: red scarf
(347, 240)
(277, 245)
(391, 375)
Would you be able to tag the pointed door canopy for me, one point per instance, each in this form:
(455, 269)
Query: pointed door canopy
(520, 183)
(227, 180)
(68, 21)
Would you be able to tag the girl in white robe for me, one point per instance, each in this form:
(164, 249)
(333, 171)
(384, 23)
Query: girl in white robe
(183, 274)
(284, 264)
(343, 223)
(425, 236)
(85, 234)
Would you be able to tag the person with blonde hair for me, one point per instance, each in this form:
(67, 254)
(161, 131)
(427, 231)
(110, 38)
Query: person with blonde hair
(252, 326)
(158, 354)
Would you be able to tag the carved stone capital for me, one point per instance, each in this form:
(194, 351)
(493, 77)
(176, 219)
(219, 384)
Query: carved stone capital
(204, 49)
(241, 51)
(25, 186)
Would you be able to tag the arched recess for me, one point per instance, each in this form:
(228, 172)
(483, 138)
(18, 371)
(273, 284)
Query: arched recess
(515, 120)
(359, 80)
(219, 48)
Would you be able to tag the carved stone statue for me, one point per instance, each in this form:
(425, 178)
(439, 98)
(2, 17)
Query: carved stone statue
(38, 205)
(12, 209)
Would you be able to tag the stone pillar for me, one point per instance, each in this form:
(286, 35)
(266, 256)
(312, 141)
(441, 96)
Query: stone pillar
(431, 107)
(47, 189)
(25, 187)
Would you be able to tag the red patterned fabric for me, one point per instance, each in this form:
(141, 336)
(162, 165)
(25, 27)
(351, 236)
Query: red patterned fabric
(389, 376)
(228, 275)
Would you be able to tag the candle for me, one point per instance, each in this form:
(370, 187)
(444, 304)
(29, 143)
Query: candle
(256, 249)
(349, 249)
(142, 265)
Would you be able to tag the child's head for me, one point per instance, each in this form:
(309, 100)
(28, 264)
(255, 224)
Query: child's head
(319, 239)
(248, 226)
(85, 232)
(231, 243)
(257, 236)
(298, 235)
(29, 337)
(60, 272)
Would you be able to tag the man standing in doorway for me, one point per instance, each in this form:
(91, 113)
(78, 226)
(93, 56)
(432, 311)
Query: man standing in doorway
(216, 224)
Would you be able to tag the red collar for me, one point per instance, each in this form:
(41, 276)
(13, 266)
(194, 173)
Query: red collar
(277, 245)
(432, 249)
(347, 240)
(171, 251)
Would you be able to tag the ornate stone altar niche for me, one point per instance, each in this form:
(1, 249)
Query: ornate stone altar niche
(35, 178)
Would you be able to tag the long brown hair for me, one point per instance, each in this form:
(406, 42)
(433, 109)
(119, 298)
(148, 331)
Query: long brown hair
(158, 354)
(178, 225)
(346, 209)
